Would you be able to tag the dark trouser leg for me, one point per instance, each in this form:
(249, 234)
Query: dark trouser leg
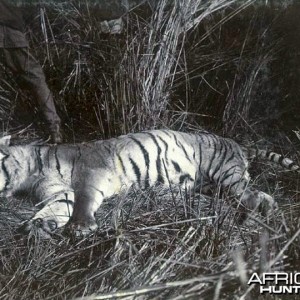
(30, 75)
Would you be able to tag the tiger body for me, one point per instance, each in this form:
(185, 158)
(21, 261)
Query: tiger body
(72, 180)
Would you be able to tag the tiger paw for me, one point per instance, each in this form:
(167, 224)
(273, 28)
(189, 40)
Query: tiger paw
(267, 204)
(83, 228)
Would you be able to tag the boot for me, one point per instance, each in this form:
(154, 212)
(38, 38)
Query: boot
(112, 26)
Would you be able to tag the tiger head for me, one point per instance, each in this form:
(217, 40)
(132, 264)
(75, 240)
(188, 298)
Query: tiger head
(4, 153)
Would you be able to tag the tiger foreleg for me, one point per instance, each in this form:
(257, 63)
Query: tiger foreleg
(83, 220)
(97, 185)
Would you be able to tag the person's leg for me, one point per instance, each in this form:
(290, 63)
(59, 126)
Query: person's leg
(30, 74)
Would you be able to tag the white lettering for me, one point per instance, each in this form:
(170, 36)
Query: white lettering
(268, 276)
(278, 290)
(254, 279)
(287, 289)
(296, 289)
(266, 289)
(296, 278)
(282, 277)
(277, 282)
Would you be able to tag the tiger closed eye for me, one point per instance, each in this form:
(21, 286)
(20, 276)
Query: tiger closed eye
(38, 222)
(52, 225)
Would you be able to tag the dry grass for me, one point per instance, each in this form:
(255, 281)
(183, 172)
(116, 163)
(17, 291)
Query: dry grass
(162, 71)
(149, 245)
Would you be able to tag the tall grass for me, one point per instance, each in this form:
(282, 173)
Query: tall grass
(109, 85)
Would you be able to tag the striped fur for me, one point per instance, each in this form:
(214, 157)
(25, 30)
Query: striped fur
(71, 180)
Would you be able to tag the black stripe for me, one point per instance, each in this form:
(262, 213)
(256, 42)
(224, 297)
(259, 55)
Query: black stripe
(208, 139)
(28, 166)
(79, 152)
(68, 202)
(223, 153)
(3, 153)
(200, 154)
(231, 157)
(99, 191)
(17, 161)
(239, 153)
(176, 166)
(280, 160)
(183, 177)
(268, 154)
(73, 166)
(212, 159)
(291, 165)
(48, 156)
(107, 147)
(272, 157)
(176, 140)
(7, 177)
(39, 158)
(57, 163)
(164, 142)
(75, 159)
(239, 182)
(225, 175)
(136, 170)
(184, 150)
(166, 149)
(158, 159)
(166, 132)
(166, 171)
(146, 158)
(122, 164)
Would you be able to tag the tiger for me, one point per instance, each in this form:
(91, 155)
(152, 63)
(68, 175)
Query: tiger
(70, 181)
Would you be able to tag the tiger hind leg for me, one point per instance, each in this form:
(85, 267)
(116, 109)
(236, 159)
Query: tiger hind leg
(253, 199)
(238, 184)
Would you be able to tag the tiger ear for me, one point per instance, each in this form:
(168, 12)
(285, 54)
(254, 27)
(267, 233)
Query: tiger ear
(2, 155)
(4, 143)
(5, 140)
